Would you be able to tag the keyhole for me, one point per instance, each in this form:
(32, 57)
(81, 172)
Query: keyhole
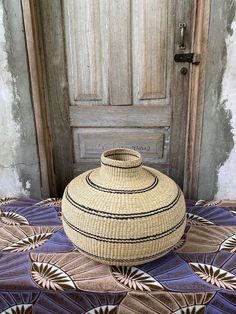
(184, 70)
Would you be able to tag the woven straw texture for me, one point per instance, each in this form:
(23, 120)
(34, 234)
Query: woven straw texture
(123, 213)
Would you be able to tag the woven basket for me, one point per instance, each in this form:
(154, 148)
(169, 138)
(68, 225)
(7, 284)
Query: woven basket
(123, 213)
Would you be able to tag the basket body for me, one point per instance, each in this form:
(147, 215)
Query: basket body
(123, 213)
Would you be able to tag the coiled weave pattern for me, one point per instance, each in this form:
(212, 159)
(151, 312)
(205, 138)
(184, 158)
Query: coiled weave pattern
(123, 213)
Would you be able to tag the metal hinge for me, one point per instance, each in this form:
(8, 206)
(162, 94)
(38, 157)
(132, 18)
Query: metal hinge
(187, 57)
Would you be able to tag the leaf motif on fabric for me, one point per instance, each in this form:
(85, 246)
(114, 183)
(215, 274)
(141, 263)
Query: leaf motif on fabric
(105, 309)
(193, 219)
(207, 203)
(134, 278)
(29, 243)
(193, 309)
(50, 202)
(229, 244)
(200, 203)
(51, 277)
(19, 309)
(12, 219)
(7, 200)
(221, 203)
(213, 203)
(166, 302)
(216, 276)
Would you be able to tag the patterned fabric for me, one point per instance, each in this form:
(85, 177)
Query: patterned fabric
(42, 272)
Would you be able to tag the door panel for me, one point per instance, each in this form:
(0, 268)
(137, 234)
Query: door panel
(90, 143)
(121, 71)
(98, 51)
(119, 53)
(118, 48)
(152, 33)
(119, 56)
(86, 50)
(123, 85)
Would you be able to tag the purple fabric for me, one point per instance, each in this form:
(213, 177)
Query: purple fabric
(41, 271)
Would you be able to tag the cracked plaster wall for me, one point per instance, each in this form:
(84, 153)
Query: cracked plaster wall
(19, 165)
(217, 173)
(226, 184)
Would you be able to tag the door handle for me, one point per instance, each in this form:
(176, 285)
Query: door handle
(182, 28)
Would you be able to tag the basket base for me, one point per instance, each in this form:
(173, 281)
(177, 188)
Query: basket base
(118, 262)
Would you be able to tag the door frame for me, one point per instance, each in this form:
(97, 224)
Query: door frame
(44, 39)
(196, 98)
(43, 23)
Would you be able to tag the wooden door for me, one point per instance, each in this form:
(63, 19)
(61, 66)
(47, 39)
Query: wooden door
(114, 59)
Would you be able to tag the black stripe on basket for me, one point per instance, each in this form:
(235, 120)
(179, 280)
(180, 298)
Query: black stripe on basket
(109, 259)
(114, 191)
(105, 214)
(128, 240)
(105, 164)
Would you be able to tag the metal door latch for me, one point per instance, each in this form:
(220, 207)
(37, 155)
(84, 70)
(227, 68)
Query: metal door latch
(187, 57)
(182, 28)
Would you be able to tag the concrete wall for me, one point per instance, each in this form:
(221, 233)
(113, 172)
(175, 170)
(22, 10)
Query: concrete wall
(217, 173)
(19, 164)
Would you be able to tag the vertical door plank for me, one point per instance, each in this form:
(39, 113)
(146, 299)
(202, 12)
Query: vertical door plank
(55, 87)
(150, 50)
(98, 51)
(86, 58)
(119, 52)
(196, 99)
(35, 71)
(184, 12)
(87, 42)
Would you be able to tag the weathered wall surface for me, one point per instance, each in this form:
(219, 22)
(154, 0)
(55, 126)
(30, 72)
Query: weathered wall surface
(227, 172)
(19, 165)
(217, 173)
